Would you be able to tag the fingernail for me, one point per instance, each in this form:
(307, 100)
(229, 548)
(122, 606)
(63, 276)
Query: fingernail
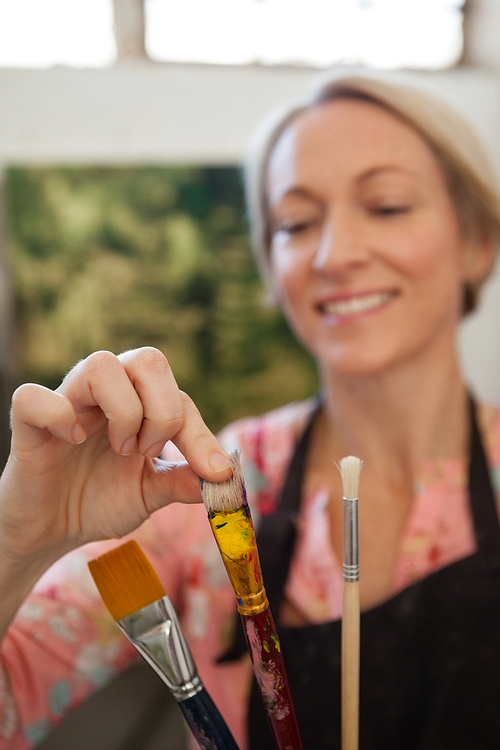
(155, 450)
(128, 446)
(78, 433)
(218, 463)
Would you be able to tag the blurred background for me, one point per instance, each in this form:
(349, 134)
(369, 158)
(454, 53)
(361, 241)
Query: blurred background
(123, 128)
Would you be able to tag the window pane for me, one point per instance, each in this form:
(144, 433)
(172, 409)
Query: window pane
(40, 33)
(380, 33)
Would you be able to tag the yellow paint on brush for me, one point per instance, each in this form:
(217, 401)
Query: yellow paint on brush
(235, 537)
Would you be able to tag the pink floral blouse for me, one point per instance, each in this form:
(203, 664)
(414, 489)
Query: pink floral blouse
(63, 645)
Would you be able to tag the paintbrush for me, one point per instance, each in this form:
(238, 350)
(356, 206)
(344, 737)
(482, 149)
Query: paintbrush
(232, 526)
(135, 598)
(350, 468)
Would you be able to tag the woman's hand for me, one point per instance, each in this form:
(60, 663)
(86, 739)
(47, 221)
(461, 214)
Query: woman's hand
(82, 464)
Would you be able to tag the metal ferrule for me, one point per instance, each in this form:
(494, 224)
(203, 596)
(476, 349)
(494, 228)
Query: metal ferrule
(350, 566)
(253, 604)
(155, 632)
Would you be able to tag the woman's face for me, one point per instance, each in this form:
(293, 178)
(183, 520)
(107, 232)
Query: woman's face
(367, 257)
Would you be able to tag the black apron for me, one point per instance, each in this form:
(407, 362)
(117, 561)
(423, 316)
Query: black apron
(430, 656)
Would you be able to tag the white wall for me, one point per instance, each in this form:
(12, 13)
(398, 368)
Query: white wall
(136, 113)
(143, 113)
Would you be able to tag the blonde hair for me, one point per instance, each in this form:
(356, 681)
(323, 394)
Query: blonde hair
(471, 180)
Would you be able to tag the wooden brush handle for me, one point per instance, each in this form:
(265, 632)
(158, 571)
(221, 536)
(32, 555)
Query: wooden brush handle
(270, 673)
(350, 666)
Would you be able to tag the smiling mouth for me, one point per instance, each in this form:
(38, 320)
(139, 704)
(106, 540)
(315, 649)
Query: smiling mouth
(355, 305)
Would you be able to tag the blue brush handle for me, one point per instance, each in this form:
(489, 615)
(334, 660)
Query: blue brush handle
(206, 723)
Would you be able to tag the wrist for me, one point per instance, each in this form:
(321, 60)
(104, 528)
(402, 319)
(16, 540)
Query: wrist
(18, 575)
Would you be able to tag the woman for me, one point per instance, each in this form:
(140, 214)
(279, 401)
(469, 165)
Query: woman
(376, 219)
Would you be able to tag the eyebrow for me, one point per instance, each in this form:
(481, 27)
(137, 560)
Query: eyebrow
(302, 192)
(299, 192)
(376, 171)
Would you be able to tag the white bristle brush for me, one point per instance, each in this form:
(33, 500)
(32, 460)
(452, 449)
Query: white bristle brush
(350, 468)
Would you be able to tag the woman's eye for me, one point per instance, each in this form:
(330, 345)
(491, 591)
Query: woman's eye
(295, 227)
(390, 210)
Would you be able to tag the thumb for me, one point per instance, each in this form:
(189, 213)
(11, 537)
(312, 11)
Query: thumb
(167, 482)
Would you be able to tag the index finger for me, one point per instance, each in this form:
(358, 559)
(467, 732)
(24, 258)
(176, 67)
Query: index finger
(170, 414)
(200, 447)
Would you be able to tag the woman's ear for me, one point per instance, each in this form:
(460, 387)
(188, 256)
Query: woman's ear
(478, 258)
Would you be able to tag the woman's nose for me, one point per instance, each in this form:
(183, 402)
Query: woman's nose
(341, 245)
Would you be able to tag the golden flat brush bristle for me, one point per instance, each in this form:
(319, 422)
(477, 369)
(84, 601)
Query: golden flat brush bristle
(126, 580)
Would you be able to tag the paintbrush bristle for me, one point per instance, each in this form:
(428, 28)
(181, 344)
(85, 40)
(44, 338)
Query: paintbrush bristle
(228, 495)
(350, 469)
(126, 580)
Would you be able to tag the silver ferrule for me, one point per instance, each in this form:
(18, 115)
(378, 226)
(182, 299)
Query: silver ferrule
(155, 632)
(350, 563)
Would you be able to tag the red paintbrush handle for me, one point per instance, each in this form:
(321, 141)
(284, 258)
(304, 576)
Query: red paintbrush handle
(269, 669)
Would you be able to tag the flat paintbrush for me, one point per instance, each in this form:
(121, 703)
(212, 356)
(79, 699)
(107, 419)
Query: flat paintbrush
(350, 468)
(136, 600)
(232, 526)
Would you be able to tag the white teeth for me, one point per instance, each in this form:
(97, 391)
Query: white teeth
(357, 304)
